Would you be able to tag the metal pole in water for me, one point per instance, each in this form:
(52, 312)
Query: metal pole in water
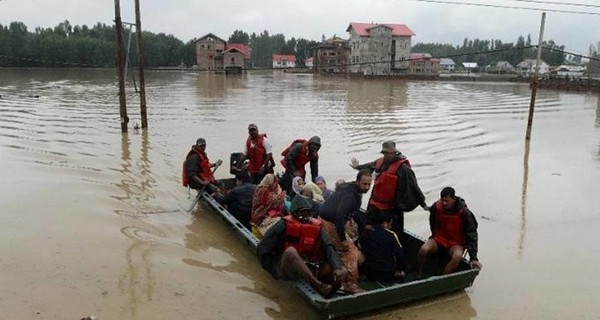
(140, 58)
(534, 82)
(120, 68)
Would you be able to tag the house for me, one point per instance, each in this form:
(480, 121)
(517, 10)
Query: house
(504, 66)
(331, 56)
(447, 64)
(214, 53)
(424, 63)
(284, 61)
(570, 71)
(379, 48)
(309, 62)
(527, 67)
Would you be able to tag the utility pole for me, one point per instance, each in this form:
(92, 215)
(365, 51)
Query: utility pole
(120, 69)
(534, 82)
(140, 59)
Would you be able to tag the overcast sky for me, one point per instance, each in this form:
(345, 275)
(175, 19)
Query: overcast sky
(310, 19)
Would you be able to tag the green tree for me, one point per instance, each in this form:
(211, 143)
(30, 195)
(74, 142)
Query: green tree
(239, 36)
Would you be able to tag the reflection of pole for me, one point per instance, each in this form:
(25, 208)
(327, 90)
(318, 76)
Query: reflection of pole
(534, 81)
(120, 71)
(140, 57)
(524, 198)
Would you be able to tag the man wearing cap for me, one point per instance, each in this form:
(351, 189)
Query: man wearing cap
(395, 190)
(258, 152)
(197, 169)
(295, 158)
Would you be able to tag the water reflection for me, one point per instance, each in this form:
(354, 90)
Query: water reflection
(215, 86)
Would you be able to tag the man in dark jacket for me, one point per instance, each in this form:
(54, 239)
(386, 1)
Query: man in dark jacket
(239, 199)
(395, 189)
(453, 229)
(341, 207)
(296, 240)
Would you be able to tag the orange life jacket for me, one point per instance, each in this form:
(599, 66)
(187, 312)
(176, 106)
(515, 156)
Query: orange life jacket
(303, 236)
(256, 153)
(303, 156)
(205, 172)
(386, 185)
(448, 227)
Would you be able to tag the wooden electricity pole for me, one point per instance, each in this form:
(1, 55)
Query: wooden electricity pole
(534, 83)
(120, 68)
(140, 59)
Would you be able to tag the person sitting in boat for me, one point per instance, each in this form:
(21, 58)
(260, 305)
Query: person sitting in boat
(382, 255)
(295, 158)
(297, 185)
(453, 229)
(320, 181)
(239, 199)
(197, 172)
(296, 242)
(317, 194)
(342, 220)
(267, 205)
(258, 152)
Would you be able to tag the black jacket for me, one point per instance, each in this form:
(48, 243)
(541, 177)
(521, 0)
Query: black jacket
(343, 205)
(239, 201)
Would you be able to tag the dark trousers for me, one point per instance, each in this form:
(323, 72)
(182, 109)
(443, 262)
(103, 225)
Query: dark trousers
(210, 188)
(256, 178)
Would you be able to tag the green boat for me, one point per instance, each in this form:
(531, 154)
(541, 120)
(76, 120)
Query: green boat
(377, 295)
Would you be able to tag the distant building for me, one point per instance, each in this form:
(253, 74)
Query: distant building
(424, 63)
(447, 64)
(284, 61)
(332, 55)
(570, 71)
(309, 62)
(379, 48)
(214, 53)
(527, 67)
(504, 66)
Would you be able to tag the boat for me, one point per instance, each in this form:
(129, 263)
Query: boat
(377, 295)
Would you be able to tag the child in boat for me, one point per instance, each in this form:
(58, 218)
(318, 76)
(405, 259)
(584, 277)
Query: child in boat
(381, 251)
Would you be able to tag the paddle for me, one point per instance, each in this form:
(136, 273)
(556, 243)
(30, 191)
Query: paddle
(217, 165)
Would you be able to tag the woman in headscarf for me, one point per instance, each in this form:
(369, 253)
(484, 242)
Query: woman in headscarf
(267, 205)
(317, 194)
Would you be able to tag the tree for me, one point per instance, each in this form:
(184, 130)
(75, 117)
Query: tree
(239, 36)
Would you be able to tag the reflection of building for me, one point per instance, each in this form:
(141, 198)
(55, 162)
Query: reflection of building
(424, 63)
(284, 61)
(332, 56)
(214, 53)
(447, 64)
(379, 48)
(527, 67)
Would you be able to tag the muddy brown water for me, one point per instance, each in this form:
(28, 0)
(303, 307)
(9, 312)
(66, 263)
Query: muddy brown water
(93, 221)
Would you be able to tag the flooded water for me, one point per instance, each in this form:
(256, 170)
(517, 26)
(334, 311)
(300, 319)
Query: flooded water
(94, 222)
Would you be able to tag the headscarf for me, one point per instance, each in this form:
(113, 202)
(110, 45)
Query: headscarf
(296, 186)
(268, 196)
(316, 191)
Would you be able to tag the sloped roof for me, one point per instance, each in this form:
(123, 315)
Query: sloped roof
(209, 35)
(244, 49)
(447, 61)
(287, 57)
(362, 29)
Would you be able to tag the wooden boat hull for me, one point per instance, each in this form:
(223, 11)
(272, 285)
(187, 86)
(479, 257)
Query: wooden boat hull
(378, 295)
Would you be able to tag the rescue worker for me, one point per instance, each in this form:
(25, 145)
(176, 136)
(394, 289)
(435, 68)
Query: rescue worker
(395, 189)
(453, 229)
(197, 172)
(296, 247)
(258, 152)
(295, 158)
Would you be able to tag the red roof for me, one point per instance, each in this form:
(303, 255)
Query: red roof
(281, 57)
(362, 29)
(244, 49)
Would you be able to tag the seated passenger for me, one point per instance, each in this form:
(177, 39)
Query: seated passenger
(296, 242)
(320, 181)
(239, 199)
(342, 218)
(382, 252)
(317, 194)
(267, 205)
(453, 229)
(197, 172)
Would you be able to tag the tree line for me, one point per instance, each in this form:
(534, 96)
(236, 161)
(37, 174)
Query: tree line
(66, 45)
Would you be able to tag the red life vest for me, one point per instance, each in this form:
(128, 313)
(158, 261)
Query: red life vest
(303, 236)
(448, 227)
(256, 153)
(205, 172)
(303, 156)
(386, 185)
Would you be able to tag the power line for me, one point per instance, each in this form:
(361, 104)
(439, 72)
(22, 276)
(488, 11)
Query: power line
(475, 4)
(573, 4)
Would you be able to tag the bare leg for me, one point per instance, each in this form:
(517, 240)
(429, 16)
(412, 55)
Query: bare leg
(429, 247)
(456, 253)
(292, 263)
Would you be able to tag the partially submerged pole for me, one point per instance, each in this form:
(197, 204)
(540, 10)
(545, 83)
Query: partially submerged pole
(120, 68)
(534, 82)
(140, 59)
